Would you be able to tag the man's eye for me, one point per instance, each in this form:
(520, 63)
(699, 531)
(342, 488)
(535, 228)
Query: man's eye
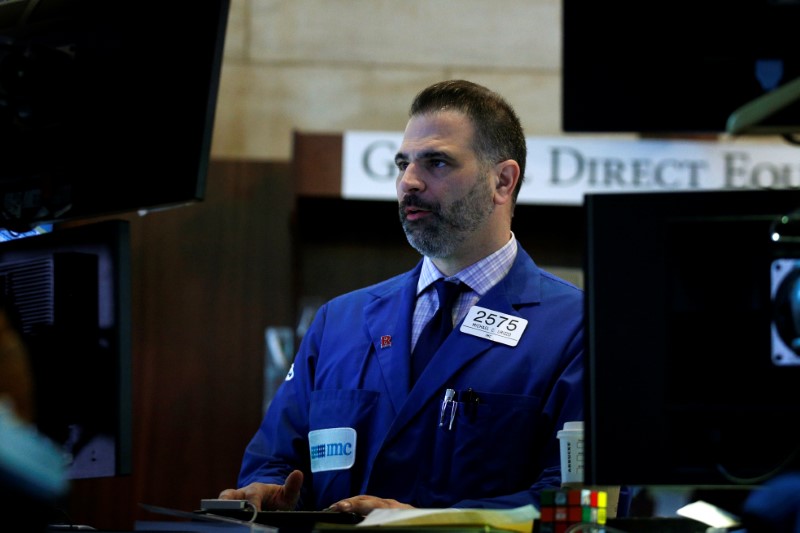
(401, 165)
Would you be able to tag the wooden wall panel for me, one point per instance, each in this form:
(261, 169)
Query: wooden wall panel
(317, 164)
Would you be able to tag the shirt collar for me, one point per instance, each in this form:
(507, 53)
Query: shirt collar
(480, 276)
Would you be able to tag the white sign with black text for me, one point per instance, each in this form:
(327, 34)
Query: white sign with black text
(560, 170)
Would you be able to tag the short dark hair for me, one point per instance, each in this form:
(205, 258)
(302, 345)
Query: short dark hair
(498, 132)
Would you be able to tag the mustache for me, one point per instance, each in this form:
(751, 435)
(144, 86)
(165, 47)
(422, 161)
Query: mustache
(412, 200)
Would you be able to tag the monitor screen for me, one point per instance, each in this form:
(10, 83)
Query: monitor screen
(105, 107)
(692, 359)
(682, 66)
(68, 293)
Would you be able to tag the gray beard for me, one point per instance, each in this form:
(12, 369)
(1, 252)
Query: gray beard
(441, 234)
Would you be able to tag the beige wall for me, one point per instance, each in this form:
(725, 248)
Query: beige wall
(336, 65)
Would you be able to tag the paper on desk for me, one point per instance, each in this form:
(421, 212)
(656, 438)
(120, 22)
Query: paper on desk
(518, 519)
(709, 514)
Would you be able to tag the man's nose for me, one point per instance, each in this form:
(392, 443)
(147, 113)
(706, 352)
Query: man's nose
(410, 179)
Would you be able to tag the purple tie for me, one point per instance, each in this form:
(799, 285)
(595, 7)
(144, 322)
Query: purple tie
(438, 327)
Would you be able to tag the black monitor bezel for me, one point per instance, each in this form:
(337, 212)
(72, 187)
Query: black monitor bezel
(108, 107)
(632, 269)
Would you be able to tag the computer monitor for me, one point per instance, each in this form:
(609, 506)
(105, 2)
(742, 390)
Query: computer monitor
(68, 294)
(682, 66)
(692, 363)
(106, 107)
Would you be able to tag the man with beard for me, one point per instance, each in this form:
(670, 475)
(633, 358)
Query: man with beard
(359, 423)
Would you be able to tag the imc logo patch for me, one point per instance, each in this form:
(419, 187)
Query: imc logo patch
(332, 449)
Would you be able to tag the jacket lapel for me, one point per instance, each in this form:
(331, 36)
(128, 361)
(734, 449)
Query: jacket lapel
(388, 320)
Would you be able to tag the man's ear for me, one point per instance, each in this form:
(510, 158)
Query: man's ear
(507, 176)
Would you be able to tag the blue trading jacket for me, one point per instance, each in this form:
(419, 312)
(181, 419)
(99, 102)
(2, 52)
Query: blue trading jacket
(352, 372)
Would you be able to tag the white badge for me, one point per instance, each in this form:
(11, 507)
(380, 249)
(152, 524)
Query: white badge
(332, 449)
(493, 325)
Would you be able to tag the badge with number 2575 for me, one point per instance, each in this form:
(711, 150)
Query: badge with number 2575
(493, 325)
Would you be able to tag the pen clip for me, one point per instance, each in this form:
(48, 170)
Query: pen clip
(453, 415)
(471, 401)
(449, 398)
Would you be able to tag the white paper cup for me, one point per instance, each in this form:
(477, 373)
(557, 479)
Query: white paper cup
(571, 440)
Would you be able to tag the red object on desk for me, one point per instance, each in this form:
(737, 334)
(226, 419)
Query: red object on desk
(561, 508)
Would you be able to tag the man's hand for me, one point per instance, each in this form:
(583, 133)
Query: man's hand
(269, 497)
(363, 504)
